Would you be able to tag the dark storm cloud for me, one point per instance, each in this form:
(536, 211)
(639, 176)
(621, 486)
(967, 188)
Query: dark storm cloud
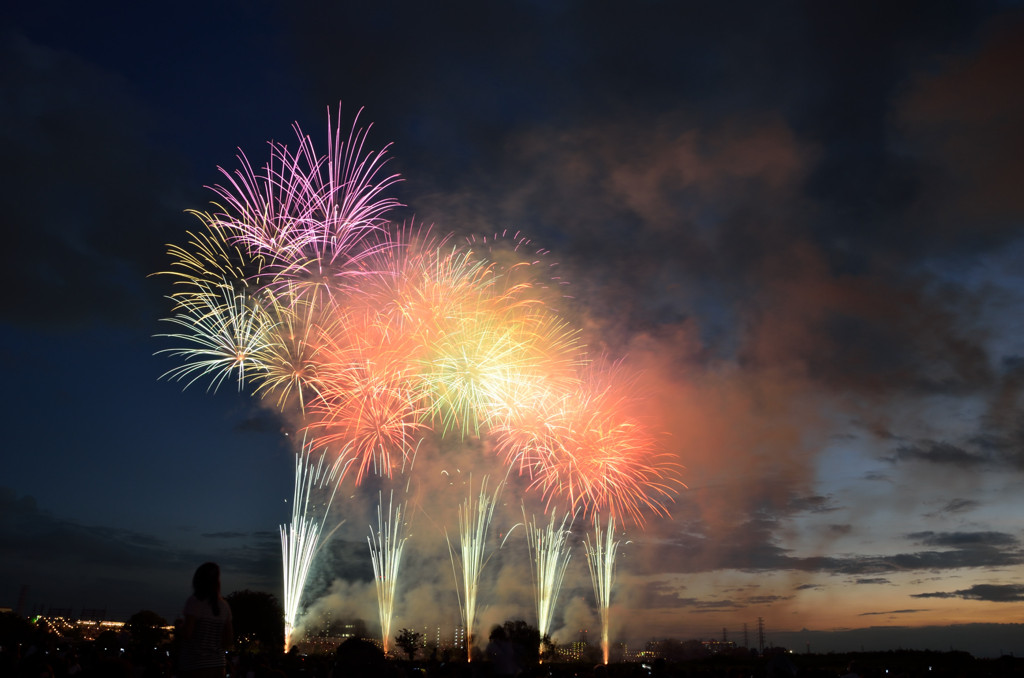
(469, 74)
(996, 593)
(1001, 431)
(920, 560)
(223, 535)
(964, 539)
(766, 600)
(815, 504)
(664, 596)
(961, 115)
(91, 203)
(753, 546)
(943, 453)
(960, 505)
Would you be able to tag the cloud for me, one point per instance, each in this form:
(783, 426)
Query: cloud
(996, 593)
(959, 115)
(815, 504)
(959, 505)
(939, 453)
(224, 535)
(754, 547)
(983, 540)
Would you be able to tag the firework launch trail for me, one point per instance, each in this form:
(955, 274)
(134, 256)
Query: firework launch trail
(301, 538)
(386, 545)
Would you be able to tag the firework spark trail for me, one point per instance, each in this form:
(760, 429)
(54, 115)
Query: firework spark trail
(386, 546)
(474, 524)
(601, 563)
(549, 557)
(300, 539)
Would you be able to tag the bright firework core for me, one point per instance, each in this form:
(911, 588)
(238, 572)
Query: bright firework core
(374, 337)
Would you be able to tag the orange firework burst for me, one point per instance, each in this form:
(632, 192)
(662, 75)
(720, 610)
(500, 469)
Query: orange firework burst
(366, 402)
(587, 448)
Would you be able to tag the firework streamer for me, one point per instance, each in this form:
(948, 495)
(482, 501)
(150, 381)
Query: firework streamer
(601, 562)
(301, 539)
(386, 546)
(549, 557)
(474, 523)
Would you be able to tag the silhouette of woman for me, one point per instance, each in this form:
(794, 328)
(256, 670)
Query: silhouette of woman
(207, 632)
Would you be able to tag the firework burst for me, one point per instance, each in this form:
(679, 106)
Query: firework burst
(367, 405)
(290, 363)
(590, 450)
(376, 337)
(224, 332)
(303, 210)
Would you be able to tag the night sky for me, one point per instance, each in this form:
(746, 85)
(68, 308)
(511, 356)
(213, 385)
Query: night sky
(801, 223)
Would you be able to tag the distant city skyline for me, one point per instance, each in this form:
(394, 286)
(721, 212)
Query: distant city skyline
(980, 640)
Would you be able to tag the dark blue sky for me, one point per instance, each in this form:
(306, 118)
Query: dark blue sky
(804, 220)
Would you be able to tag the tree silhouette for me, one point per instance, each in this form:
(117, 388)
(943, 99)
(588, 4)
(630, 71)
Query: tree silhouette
(145, 628)
(514, 647)
(258, 621)
(409, 641)
(361, 657)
